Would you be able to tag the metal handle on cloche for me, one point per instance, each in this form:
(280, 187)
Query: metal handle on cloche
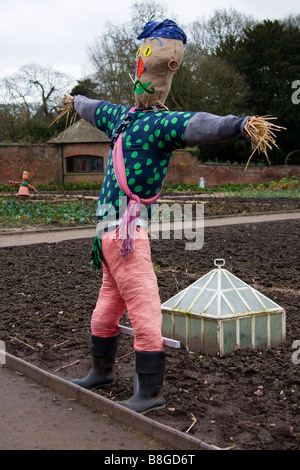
(219, 262)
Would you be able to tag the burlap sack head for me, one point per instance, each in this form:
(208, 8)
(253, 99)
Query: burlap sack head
(158, 58)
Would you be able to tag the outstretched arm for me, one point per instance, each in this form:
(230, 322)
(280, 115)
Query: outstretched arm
(206, 128)
(86, 108)
(32, 187)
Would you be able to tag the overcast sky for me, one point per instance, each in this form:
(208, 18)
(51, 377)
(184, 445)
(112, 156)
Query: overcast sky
(56, 33)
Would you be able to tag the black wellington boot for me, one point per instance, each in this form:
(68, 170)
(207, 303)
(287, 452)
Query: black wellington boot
(150, 368)
(103, 351)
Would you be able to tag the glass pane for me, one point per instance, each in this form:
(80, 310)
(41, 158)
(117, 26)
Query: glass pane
(190, 295)
(201, 303)
(202, 281)
(252, 301)
(213, 308)
(235, 301)
(235, 281)
(268, 303)
(225, 284)
(225, 309)
(171, 302)
(213, 284)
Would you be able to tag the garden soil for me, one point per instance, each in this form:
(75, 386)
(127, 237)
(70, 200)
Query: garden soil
(247, 399)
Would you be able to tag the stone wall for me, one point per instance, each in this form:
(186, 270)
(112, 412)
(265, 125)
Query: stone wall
(46, 164)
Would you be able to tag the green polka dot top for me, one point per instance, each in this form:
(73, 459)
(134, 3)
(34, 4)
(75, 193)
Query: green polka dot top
(148, 142)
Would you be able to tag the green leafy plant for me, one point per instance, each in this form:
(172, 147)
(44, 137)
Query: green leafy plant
(14, 212)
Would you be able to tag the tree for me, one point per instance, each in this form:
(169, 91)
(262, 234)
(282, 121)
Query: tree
(12, 116)
(86, 87)
(268, 56)
(29, 102)
(208, 34)
(211, 85)
(37, 88)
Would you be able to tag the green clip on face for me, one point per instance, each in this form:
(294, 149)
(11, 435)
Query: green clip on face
(140, 88)
(156, 61)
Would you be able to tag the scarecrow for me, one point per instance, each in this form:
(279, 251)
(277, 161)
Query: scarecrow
(143, 138)
(24, 185)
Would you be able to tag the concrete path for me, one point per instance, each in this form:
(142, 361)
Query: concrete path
(57, 235)
(33, 417)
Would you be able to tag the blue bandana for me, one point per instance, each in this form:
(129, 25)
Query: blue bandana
(165, 29)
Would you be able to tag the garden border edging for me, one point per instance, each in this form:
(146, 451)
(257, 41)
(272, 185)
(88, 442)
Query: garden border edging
(158, 431)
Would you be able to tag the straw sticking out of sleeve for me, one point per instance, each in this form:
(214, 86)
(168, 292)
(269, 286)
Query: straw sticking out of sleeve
(261, 132)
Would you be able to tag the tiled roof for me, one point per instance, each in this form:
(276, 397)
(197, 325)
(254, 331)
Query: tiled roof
(80, 132)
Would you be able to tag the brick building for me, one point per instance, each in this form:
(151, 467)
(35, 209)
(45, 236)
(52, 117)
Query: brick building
(84, 151)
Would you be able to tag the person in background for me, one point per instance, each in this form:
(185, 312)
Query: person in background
(201, 182)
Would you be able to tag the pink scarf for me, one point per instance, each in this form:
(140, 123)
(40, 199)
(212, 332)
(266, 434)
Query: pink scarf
(127, 228)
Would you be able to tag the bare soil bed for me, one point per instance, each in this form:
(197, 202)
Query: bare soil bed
(244, 400)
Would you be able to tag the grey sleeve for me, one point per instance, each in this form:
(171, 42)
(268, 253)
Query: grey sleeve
(206, 128)
(86, 108)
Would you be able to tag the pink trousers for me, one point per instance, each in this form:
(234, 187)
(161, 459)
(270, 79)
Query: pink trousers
(131, 287)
